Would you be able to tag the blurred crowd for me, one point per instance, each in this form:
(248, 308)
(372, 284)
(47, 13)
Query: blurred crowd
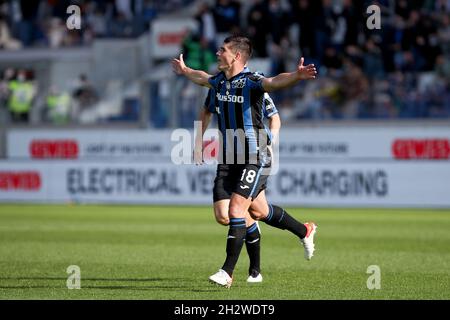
(42, 23)
(19, 99)
(401, 70)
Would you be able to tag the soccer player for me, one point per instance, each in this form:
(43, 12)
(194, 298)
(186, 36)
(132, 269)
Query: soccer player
(222, 187)
(241, 94)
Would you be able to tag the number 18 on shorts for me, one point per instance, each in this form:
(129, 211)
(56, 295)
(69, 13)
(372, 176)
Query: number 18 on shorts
(252, 181)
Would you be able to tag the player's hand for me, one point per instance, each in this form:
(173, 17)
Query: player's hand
(306, 72)
(198, 156)
(178, 65)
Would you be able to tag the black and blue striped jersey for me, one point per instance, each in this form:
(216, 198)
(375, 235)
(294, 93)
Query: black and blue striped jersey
(241, 104)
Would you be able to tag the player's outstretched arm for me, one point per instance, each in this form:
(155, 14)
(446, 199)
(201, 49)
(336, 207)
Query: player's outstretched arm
(197, 76)
(284, 80)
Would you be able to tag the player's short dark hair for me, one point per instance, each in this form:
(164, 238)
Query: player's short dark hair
(242, 44)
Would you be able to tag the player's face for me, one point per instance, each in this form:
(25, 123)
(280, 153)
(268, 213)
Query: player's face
(225, 57)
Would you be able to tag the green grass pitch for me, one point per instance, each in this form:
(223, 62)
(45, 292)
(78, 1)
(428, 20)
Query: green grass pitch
(149, 252)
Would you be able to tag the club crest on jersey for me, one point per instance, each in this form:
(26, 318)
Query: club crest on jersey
(237, 84)
(227, 85)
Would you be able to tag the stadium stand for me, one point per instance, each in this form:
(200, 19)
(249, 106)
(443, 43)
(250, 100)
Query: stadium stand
(401, 71)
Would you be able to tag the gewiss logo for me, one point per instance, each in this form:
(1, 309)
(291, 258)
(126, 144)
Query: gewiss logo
(54, 149)
(431, 148)
(20, 180)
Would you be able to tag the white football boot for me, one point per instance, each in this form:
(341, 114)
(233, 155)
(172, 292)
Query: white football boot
(221, 278)
(308, 240)
(255, 279)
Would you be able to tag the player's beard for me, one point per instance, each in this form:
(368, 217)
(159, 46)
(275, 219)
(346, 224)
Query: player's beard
(223, 66)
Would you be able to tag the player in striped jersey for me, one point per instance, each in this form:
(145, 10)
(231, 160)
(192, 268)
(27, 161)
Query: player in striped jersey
(241, 93)
(223, 188)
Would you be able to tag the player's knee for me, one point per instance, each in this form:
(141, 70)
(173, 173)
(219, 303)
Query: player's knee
(223, 220)
(235, 211)
(221, 217)
(255, 214)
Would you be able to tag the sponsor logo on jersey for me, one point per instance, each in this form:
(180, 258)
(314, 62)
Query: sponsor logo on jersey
(230, 98)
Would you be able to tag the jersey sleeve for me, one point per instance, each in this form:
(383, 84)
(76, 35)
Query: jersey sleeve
(209, 101)
(254, 81)
(214, 81)
(269, 106)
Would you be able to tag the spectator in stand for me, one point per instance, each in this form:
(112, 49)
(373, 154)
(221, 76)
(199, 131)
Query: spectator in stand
(258, 28)
(123, 8)
(444, 33)
(279, 20)
(323, 28)
(84, 96)
(21, 97)
(305, 18)
(57, 109)
(207, 28)
(57, 33)
(332, 60)
(402, 9)
(442, 68)
(353, 20)
(6, 40)
(373, 60)
(7, 76)
(149, 12)
(427, 42)
(28, 27)
(227, 16)
(355, 88)
(97, 21)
